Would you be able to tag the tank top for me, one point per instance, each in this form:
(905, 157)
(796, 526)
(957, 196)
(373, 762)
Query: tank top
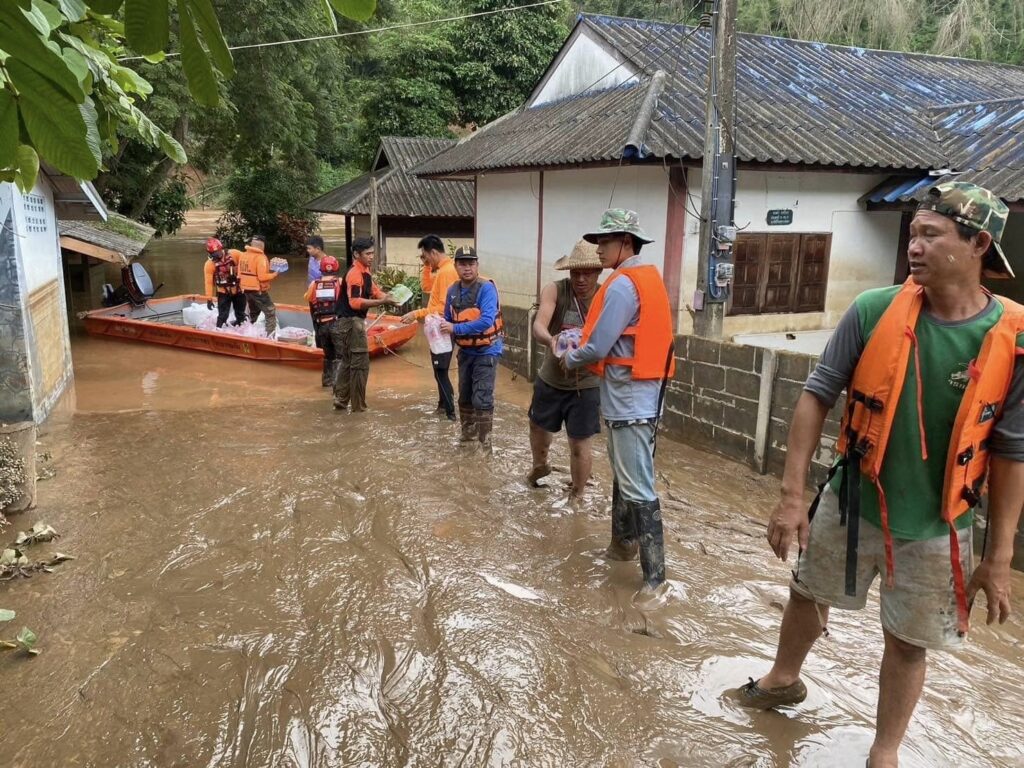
(569, 313)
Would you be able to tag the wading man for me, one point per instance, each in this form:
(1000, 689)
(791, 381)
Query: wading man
(627, 342)
(935, 404)
(323, 296)
(220, 275)
(254, 268)
(472, 314)
(437, 262)
(561, 397)
(348, 333)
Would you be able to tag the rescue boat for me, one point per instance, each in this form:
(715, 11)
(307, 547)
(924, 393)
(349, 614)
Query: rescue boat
(160, 321)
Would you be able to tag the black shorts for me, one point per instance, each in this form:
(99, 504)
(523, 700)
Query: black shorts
(579, 410)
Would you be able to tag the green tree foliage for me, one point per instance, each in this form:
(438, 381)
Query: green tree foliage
(267, 200)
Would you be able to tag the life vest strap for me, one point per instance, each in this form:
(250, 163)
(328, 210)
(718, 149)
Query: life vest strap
(852, 515)
(959, 588)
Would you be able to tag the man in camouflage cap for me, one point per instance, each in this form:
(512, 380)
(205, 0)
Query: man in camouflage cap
(906, 354)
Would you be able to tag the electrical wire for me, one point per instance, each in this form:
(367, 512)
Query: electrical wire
(407, 25)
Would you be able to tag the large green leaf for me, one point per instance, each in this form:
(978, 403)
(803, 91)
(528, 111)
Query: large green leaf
(8, 129)
(329, 13)
(54, 123)
(206, 18)
(73, 9)
(20, 40)
(44, 17)
(131, 81)
(147, 25)
(28, 170)
(77, 63)
(92, 140)
(360, 10)
(105, 6)
(202, 83)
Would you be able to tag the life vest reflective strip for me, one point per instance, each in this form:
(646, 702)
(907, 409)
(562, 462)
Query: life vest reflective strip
(326, 292)
(652, 335)
(871, 404)
(466, 310)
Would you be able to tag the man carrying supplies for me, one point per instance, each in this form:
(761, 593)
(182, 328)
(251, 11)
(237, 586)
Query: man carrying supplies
(560, 397)
(936, 388)
(323, 296)
(256, 275)
(348, 333)
(435, 257)
(628, 342)
(220, 274)
(472, 314)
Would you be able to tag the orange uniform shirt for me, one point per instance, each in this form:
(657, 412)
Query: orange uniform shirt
(254, 270)
(444, 278)
(354, 283)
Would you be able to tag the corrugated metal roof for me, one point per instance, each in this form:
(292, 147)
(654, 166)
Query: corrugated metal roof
(797, 102)
(399, 192)
(118, 233)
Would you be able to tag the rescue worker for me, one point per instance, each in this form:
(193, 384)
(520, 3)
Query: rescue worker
(561, 398)
(254, 267)
(323, 296)
(427, 273)
(436, 260)
(348, 333)
(220, 277)
(472, 314)
(935, 384)
(627, 342)
(315, 251)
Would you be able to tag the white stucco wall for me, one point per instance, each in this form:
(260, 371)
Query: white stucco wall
(506, 220)
(507, 216)
(864, 244)
(583, 64)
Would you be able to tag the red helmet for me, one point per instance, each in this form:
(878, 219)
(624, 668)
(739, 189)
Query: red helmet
(213, 245)
(329, 265)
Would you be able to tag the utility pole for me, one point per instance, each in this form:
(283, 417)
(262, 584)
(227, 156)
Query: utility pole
(718, 176)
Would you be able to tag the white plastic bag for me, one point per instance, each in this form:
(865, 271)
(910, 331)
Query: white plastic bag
(440, 342)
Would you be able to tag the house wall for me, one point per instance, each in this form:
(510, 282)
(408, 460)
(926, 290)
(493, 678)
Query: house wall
(583, 63)
(864, 243)
(35, 345)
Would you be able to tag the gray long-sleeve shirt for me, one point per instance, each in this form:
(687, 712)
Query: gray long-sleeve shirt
(622, 398)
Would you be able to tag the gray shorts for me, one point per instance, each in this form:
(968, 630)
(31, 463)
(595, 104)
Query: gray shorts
(919, 609)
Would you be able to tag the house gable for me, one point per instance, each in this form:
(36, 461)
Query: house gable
(586, 62)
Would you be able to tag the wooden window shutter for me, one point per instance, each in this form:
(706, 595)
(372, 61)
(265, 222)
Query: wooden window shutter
(812, 279)
(780, 269)
(748, 257)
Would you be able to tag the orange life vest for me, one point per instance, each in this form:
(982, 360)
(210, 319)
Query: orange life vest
(326, 292)
(465, 310)
(652, 335)
(225, 275)
(874, 395)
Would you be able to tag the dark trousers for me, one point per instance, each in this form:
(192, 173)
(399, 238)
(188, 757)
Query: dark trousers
(353, 354)
(228, 301)
(323, 339)
(477, 374)
(260, 301)
(445, 392)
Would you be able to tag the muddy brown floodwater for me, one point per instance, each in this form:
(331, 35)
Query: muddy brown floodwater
(262, 582)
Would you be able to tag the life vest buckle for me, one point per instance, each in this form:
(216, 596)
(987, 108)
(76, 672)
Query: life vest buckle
(971, 496)
(871, 403)
(966, 456)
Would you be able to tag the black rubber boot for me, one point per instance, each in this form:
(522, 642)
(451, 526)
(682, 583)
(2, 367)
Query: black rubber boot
(467, 416)
(327, 377)
(624, 545)
(484, 425)
(647, 518)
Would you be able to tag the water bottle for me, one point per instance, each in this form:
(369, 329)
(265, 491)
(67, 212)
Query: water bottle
(567, 340)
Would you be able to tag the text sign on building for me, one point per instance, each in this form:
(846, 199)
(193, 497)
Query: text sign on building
(780, 217)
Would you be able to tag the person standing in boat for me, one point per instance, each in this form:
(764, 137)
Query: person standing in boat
(220, 275)
(315, 251)
(256, 275)
(323, 296)
(359, 294)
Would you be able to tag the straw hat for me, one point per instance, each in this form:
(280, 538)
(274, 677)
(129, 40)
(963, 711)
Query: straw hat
(583, 256)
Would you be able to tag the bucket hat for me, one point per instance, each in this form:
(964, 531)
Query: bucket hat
(619, 221)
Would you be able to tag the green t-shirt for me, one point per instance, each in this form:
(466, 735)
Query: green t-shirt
(913, 488)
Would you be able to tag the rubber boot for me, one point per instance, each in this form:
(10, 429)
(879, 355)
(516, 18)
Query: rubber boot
(467, 416)
(484, 425)
(327, 377)
(624, 545)
(647, 518)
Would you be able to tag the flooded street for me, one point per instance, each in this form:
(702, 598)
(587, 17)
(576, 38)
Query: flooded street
(261, 581)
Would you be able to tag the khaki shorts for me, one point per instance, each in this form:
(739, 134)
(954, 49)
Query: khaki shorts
(920, 609)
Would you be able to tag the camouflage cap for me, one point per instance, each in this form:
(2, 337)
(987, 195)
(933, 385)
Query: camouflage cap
(974, 207)
(619, 221)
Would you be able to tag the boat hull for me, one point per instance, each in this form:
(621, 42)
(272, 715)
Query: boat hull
(160, 322)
